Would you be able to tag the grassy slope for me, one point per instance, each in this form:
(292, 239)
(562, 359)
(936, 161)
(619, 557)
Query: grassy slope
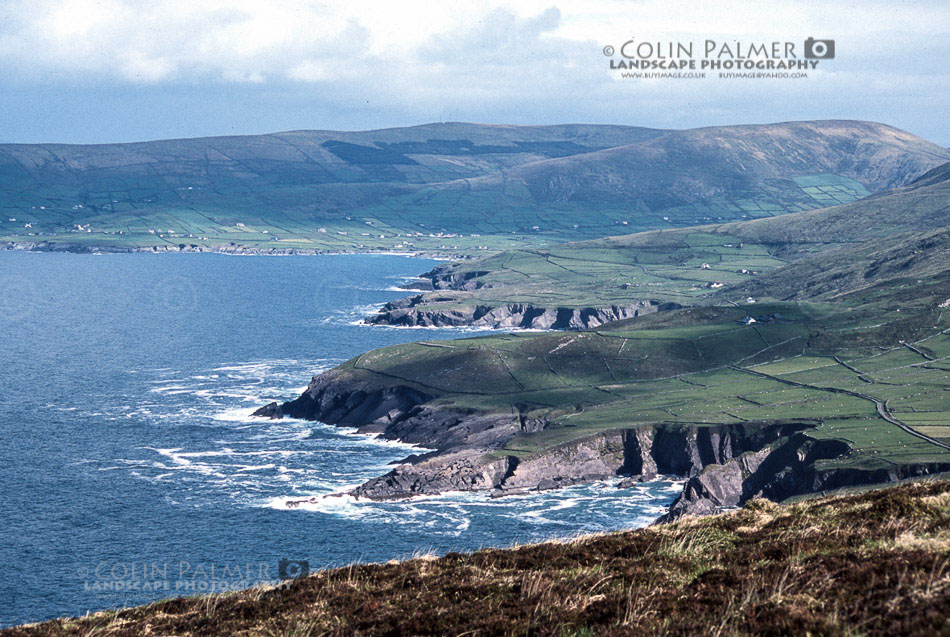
(879, 353)
(452, 187)
(695, 367)
(668, 265)
(870, 564)
(851, 268)
(283, 187)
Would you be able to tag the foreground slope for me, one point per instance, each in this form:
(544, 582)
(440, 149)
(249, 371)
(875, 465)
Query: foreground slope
(872, 564)
(441, 187)
(900, 232)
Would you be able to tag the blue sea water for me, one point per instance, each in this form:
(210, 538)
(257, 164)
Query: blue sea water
(132, 470)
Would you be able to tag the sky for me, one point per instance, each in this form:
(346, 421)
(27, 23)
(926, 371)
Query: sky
(86, 71)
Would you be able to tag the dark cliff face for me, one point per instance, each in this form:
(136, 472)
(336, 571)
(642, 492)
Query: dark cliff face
(776, 470)
(779, 471)
(639, 454)
(398, 412)
(342, 398)
(445, 277)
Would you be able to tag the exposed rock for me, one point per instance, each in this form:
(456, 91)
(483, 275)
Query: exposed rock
(468, 470)
(415, 312)
(718, 485)
(725, 464)
(444, 278)
(780, 470)
(342, 398)
(635, 453)
(339, 397)
(638, 454)
(586, 460)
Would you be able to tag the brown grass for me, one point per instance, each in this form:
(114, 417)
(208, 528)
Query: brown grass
(870, 564)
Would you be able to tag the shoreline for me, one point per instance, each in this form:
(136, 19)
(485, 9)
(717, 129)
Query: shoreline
(723, 464)
(232, 250)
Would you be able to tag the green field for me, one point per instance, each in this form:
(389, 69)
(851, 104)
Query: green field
(823, 365)
(820, 254)
(677, 266)
(416, 223)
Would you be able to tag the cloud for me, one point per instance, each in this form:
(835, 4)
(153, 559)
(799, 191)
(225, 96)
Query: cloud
(307, 41)
(175, 40)
(531, 60)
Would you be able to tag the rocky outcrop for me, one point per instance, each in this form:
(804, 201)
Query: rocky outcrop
(341, 397)
(447, 277)
(416, 311)
(781, 470)
(638, 453)
(468, 470)
(594, 458)
(433, 309)
(398, 412)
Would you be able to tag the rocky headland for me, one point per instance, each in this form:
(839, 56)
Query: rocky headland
(428, 308)
(724, 465)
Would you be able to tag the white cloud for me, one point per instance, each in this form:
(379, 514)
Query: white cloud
(168, 40)
(303, 40)
(540, 59)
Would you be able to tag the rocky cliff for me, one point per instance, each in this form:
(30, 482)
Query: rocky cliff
(418, 311)
(725, 465)
(430, 310)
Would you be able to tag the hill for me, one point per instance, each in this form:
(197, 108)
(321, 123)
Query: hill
(873, 563)
(769, 398)
(853, 269)
(448, 188)
(899, 232)
(718, 172)
(813, 355)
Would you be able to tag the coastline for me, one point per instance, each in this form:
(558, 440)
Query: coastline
(723, 466)
(234, 250)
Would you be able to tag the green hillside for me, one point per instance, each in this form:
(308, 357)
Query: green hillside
(814, 254)
(449, 188)
(840, 367)
(833, 320)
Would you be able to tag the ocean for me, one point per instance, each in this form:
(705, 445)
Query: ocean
(132, 470)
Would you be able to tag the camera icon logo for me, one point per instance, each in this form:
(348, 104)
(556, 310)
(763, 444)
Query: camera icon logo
(819, 49)
(292, 569)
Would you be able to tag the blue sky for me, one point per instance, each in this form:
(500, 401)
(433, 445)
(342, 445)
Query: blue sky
(82, 71)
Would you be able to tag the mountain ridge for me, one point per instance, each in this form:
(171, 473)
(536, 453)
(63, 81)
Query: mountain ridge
(437, 188)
